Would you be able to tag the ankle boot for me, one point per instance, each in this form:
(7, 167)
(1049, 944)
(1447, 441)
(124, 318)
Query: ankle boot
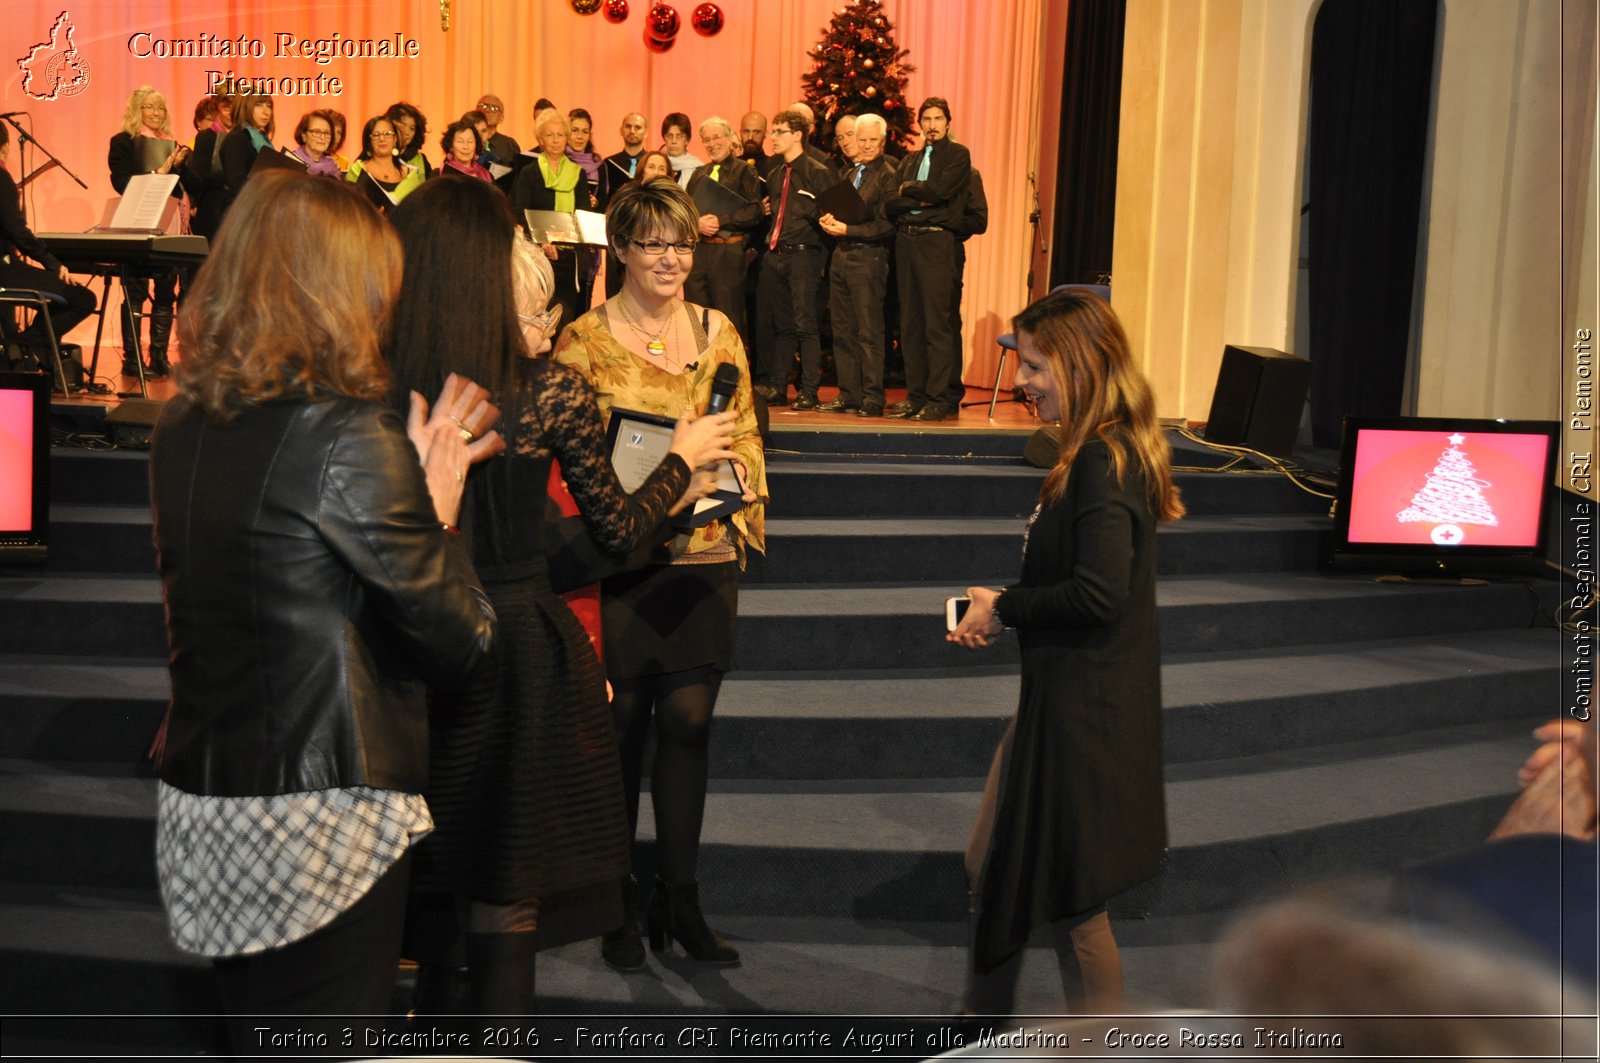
(160, 333)
(674, 912)
(622, 948)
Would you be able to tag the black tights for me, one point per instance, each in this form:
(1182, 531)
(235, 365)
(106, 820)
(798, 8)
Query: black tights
(682, 704)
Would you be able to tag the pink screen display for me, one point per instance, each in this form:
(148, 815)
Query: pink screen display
(1447, 488)
(16, 461)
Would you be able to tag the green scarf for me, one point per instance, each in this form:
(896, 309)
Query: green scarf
(563, 183)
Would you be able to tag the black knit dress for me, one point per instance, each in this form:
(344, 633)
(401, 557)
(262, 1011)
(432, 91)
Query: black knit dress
(526, 787)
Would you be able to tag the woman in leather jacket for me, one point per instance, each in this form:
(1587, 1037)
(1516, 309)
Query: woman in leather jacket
(314, 587)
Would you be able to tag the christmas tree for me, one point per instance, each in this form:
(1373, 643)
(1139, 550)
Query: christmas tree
(1452, 495)
(858, 69)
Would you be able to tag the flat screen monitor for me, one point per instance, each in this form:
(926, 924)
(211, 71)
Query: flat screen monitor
(1439, 496)
(24, 466)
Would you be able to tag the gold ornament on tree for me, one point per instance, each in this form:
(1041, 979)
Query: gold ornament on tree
(444, 15)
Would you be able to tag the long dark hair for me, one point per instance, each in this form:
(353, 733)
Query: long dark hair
(456, 312)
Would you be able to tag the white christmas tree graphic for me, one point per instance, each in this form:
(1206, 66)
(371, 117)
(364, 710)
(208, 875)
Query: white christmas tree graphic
(1452, 496)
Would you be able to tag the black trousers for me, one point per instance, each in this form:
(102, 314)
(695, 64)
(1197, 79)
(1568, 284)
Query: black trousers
(718, 281)
(789, 285)
(857, 282)
(79, 305)
(343, 970)
(929, 292)
(566, 267)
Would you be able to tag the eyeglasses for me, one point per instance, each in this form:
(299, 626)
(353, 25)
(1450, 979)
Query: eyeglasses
(781, 132)
(489, 107)
(328, 133)
(382, 136)
(659, 247)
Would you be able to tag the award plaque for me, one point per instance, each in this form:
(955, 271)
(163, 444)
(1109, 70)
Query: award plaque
(636, 443)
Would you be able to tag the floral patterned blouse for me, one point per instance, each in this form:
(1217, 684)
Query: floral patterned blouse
(622, 378)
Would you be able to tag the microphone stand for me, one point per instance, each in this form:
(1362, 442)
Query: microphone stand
(24, 137)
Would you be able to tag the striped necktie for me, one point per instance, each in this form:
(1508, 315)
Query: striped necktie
(861, 168)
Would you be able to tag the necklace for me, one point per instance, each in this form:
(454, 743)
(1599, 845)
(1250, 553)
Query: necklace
(652, 343)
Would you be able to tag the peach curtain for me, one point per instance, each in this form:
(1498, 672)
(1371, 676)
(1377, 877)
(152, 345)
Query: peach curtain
(983, 55)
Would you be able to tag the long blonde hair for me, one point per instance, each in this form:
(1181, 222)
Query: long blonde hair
(133, 114)
(1103, 394)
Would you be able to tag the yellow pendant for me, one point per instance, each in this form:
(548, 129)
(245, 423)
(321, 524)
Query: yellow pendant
(657, 348)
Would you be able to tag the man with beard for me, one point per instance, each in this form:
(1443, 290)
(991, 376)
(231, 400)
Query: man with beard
(616, 171)
(753, 139)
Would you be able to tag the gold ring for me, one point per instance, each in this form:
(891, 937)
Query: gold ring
(468, 436)
(461, 476)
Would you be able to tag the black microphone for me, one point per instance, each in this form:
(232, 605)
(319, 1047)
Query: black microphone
(723, 385)
(12, 114)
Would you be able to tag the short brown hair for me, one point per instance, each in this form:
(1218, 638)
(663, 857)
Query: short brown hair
(641, 209)
(294, 298)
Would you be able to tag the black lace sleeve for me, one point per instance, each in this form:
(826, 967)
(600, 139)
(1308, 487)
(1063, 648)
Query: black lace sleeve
(567, 423)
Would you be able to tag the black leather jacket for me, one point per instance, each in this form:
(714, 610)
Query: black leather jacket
(311, 595)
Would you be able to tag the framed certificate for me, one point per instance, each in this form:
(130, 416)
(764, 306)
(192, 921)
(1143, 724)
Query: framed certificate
(636, 443)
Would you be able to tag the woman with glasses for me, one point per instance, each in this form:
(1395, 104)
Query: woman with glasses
(525, 786)
(145, 121)
(668, 629)
(554, 182)
(676, 129)
(202, 169)
(313, 137)
(380, 163)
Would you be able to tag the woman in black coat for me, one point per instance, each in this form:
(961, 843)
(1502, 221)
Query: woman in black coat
(1073, 812)
(146, 117)
(552, 181)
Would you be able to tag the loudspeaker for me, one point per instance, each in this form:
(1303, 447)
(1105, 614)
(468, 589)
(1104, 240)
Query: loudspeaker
(130, 424)
(1260, 394)
(1043, 449)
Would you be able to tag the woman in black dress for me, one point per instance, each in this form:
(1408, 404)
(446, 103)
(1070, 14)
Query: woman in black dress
(1073, 813)
(552, 181)
(253, 128)
(143, 120)
(526, 786)
(202, 169)
(17, 240)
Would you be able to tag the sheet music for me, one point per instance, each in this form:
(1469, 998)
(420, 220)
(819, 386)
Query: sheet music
(143, 202)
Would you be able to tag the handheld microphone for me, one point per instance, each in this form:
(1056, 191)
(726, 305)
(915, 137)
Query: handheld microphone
(723, 385)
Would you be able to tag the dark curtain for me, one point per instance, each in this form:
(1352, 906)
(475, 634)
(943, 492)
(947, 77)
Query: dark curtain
(1371, 82)
(1086, 170)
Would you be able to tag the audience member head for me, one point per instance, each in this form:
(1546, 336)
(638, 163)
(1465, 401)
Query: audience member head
(294, 297)
(532, 284)
(550, 126)
(1074, 363)
(340, 127)
(675, 132)
(633, 131)
(205, 112)
(479, 121)
(379, 139)
(580, 130)
(805, 109)
(456, 311)
(789, 130)
(653, 227)
(653, 164)
(146, 109)
(410, 127)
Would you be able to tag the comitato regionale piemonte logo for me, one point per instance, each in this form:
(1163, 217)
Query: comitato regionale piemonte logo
(54, 69)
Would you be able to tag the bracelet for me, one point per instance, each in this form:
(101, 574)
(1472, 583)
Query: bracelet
(451, 528)
(994, 609)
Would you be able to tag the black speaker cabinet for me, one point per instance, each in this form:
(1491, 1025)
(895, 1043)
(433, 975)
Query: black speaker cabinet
(1260, 394)
(130, 424)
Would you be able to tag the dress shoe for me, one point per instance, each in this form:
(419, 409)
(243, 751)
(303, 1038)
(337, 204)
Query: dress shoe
(674, 912)
(934, 412)
(772, 396)
(805, 401)
(838, 406)
(870, 410)
(901, 407)
(904, 411)
(622, 948)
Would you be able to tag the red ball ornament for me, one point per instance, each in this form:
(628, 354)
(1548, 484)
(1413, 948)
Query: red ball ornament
(661, 22)
(615, 11)
(585, 7)
(707, 20)
(656, 44)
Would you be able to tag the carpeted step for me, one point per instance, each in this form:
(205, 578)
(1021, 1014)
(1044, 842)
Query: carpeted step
(892, 849)
(99, 477)
(68, 707)
(890, 440)
(981, 548)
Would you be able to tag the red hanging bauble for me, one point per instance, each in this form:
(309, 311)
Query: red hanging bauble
(707, 20)
(661, 22)
(616, 10)
(585, 7)
(656, 44)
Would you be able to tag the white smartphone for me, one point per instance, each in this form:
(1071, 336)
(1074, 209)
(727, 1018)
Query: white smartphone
(954, 610)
